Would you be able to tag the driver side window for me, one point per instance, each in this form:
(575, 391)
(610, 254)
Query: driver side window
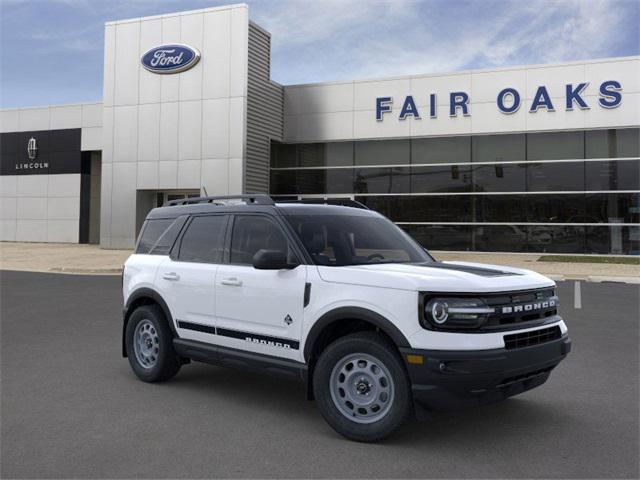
(252, 233)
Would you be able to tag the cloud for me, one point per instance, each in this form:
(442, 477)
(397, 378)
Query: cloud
(326, 40)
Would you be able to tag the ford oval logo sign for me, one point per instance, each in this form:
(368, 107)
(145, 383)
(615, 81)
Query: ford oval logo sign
(173, 58)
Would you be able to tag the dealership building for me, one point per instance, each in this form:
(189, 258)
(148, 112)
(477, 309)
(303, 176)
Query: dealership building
(541, 158)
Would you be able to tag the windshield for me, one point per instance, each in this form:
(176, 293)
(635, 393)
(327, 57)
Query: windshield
(339, 240)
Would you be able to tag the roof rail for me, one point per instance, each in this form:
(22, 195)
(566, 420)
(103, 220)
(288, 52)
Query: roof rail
(343, 202)
(258, 199)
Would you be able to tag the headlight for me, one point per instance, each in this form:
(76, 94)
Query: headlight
(456, 312)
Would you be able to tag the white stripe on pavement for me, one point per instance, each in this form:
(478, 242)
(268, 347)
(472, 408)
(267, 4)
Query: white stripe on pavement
(577, 298)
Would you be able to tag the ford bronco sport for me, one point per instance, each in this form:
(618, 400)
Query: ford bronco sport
(337, 296)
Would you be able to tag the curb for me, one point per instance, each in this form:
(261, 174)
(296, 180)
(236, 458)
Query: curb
(87, 271)
(593, 279)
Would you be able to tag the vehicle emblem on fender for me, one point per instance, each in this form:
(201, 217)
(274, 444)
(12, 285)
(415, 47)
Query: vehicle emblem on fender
(172, 58)
(288, 320)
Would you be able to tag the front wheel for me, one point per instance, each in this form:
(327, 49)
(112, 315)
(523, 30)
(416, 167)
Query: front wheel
(149, 345)
(361, 387)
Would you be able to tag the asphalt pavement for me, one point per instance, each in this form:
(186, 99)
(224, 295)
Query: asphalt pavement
(72, 408)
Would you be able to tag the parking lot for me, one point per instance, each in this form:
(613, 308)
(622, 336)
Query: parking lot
(72, 408)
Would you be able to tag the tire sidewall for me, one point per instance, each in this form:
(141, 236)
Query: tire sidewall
(378, 347)
(167, 360)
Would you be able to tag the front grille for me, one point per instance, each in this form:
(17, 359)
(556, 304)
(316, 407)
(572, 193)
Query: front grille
(504, 320)
(535, 337)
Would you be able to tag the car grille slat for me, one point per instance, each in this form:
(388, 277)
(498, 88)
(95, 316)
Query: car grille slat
(534, 337)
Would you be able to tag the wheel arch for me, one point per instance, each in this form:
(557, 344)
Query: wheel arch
(354, 314)
(144, 296)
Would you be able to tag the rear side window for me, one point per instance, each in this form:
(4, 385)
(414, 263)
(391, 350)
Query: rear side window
(151, 232)
(203, 242)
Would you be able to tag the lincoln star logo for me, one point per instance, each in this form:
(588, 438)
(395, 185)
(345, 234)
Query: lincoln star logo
(172, 58)
(32, 149)
(529, 307)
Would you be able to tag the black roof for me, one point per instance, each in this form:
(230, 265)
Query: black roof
(264, 204)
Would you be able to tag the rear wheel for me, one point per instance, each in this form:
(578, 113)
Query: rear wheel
(361, 387)
(149, 345)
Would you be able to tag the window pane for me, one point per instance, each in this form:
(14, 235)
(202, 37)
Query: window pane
(283, 182)
(427, 208)
(339, 180)
(613, 207)
(499, 148)
(499, 208)
(613, 175)
(499, 178)
(500, 238)
(556, 208)
(613, 143)
(446, 178)
(441, 237)
(614, 240)
(441, 150)
(309, 182)
(252, 233)
(204, 240)
(168, 238)
(544, 177)
(310, 155)
(385, 152)
(283, 155)
(339, 154)
(556, 239)
(382, 180)
(151, 233)
(555, 145)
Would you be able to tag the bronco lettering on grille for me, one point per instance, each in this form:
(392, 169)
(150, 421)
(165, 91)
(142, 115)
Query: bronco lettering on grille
(529, 307)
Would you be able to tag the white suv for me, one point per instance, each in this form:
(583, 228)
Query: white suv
(338, 297)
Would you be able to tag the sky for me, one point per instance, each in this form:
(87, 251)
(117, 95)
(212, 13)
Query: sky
(51, 51)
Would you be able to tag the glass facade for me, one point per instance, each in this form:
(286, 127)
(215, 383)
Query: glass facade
(564, 192)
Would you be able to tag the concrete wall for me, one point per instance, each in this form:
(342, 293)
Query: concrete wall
(346, 110)
(40, 208)
(175, 131)
(87, 116)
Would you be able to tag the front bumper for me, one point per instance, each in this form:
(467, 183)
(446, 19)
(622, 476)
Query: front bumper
(451, 380)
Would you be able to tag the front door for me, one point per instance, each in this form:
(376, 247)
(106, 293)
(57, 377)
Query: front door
(259, 310)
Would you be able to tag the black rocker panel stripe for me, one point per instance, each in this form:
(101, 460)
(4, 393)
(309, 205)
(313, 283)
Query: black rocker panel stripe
(240, 335)
(197, 327)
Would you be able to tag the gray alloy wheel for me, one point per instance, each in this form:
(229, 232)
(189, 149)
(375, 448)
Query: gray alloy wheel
(362, 389)
(146, 344)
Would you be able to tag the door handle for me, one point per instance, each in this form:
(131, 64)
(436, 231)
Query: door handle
(171, 276)
(231, 282)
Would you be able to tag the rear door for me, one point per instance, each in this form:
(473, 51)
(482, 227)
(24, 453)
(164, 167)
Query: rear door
(259, 310)
(187, 278)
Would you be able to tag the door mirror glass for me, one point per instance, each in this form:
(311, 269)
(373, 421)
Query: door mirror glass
(272, 260)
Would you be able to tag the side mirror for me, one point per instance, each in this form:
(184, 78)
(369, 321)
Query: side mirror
(271, 260)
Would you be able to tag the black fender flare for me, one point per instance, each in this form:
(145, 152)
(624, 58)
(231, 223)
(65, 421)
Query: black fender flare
(353, 313)
(128, 309)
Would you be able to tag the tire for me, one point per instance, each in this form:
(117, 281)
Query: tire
(153, 358)
(362, 388)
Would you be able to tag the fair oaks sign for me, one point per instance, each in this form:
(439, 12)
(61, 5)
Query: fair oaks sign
(173, 58)
(508, 100)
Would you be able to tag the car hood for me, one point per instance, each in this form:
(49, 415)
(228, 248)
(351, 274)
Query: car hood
(437, 277)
